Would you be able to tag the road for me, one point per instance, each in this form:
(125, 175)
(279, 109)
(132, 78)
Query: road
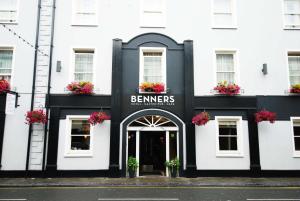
(150, 194)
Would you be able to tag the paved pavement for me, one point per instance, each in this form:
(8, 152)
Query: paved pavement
(155, 181)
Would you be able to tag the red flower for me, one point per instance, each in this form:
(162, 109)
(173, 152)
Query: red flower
(265, 115)
(228, 89)
(81, 88)
(36, 116)
(152, 87)
(201, 119)
(295, 89)
(4, 86)
(98, 118)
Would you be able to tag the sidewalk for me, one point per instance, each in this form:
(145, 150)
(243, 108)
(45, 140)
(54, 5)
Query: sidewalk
(148, 182)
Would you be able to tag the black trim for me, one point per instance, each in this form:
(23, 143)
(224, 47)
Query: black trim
(248, 173)
(2, 123)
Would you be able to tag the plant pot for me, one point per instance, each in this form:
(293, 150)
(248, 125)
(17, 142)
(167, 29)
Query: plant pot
(131, 173)
(173, 172)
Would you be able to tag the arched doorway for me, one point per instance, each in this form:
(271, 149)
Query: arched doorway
(152, 140)
(152, 136)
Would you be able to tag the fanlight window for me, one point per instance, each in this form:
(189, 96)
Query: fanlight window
(152, 121)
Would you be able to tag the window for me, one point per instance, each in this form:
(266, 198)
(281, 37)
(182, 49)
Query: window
(79, 136)
(229, 136)
(153, 65)
(153, 13)
(294, 67)
(8, 11)
(224, 14)
(292, 14)
(6, 57)
(225, 64)
(84, 62)
(85, 12)
(296, 131)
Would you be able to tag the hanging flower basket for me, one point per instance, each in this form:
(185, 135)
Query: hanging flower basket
(152, 87)
(201, 119)
(227, 89)
(4, 86)
(84, 88)
(295, 89)
(36, 116)
(98, 118)
(265, 115)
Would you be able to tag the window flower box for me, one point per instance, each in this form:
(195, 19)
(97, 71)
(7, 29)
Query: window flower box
(4, 86)
(98, 118)
(36, 116)
(295, 89)
(81, 88)
(265, 115)
(150, 87)
(201, 119)
(227, 89)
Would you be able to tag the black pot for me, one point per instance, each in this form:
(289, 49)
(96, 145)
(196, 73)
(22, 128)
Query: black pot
(131, 173)
(173, 172)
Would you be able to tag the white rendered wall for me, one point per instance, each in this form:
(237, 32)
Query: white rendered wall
(100, 158)
(276, 146)
(206, 158)
(259, 39)
(16, 131)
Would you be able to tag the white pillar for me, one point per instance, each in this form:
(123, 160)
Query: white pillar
(167, 150)
(137, 144)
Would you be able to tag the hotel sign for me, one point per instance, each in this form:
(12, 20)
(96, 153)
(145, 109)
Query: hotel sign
(155, 100)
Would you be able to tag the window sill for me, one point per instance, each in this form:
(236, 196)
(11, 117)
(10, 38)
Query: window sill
(84, 25)
(291, 28)
(229, 155)
(230, 28)
(78, 155)
(296, 155)
(10, 23)
(160, 27)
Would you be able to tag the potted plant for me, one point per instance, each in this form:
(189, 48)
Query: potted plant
(227, 88)
(83, 88)
(295, 89)
(36, 116)
(98, 118)
(173, 167)
(265, 115)
(132, 165)
(201, 119)
(4, 86)
(152, 87)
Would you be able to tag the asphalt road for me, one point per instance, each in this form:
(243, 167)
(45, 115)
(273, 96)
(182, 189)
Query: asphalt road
(150, 194)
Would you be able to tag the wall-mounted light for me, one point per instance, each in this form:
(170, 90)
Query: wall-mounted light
(58, 66)
(265, 69)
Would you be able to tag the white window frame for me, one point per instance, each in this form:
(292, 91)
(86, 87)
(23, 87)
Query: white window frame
(77, 153)
(73, 50)
(234, 17)
(235, 54)
(239, 126)
(17, 14)
(162, 24)
(296, 154)
(285, 26)
(288, 64)
(12, 48)
(164, 65)
(75, 23)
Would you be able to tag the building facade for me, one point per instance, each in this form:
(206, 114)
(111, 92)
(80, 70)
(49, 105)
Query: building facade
(189, 47)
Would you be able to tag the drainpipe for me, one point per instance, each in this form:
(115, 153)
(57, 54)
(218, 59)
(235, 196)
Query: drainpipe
(34, 77)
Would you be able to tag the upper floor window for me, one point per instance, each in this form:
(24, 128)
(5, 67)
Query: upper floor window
(6, 58)
(79, 136)
(153, 65)
(294, 67)
(153, 13)
(85, 12)
(229, 134)
(224, 14)
(8, 11)
(225, 64)
(296, 136)
(292, 14)
(83, 65)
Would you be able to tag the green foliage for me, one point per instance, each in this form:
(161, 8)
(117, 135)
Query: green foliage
(175, 163)
(132, 163)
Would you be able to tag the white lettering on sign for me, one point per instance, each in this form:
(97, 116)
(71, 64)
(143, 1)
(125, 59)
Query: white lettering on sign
(152, 100)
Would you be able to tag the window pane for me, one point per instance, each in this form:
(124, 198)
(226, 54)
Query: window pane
(173, 144)
(80, 127)
(153, 19)
(84, 66)
(153, 5)
(228, 143)
(294, 69)
(223, 20)
(222, 6)
(228, 77)
(153, 69)
(8, 4)
(292, 19)
(80, 142)
(227, 130)
(85, 11)
(296, 130)
(292, 6)
(132, 143)
(5, 64)
(225, 62)
(297, 143)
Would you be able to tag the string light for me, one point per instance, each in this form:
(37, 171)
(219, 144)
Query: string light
(24, 40)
